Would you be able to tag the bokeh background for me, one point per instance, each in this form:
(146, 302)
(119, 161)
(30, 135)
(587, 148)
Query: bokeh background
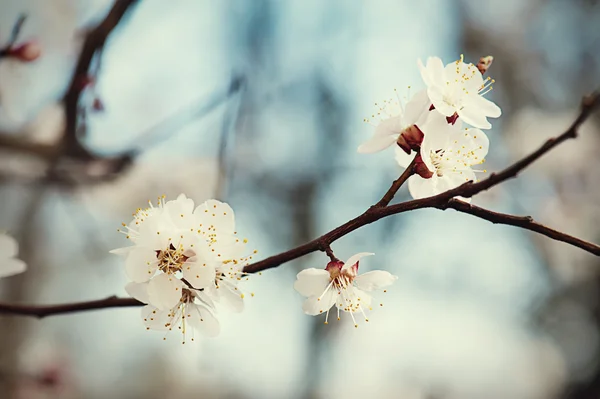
(260, 103)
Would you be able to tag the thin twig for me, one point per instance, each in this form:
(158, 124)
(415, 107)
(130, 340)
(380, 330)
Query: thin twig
(524, 222)
(41, 311)
(387, 198)
(93, 43)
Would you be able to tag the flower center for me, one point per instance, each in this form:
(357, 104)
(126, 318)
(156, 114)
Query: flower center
(171, 260)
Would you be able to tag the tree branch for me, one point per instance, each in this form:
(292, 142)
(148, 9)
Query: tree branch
(41, 311)
(387, 197)
(525, 222)
(94, 42)
(441, 201)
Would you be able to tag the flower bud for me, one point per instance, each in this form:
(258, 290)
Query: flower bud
(485, 63)
(26, 52)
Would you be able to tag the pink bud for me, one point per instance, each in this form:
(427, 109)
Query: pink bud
(485, 63)
(26, 52)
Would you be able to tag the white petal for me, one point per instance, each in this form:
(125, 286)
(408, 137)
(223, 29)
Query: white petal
(390, 126)
(156, 319)
(486, 106)
(9, 247)
(312, 281)
(421, 188)
(355, 258)
(231, 297)
(416, 108)
(376, 144)
(198, 273)
(141, 264)
(11, 266)
(435, 69)
(316, 305)
(437, 132)
(181, 211)
(402, 158)
(164, 291)
(202, 319)
(474, 117)
(437, 96)
(374, 280)
(204, 297)
(138, 291)
(218, 214)
(469, 146)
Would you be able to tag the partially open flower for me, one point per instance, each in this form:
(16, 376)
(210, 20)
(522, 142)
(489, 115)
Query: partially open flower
(339, 284)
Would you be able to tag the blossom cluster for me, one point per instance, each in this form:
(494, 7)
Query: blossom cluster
(183, 262)
(429, 130)
(186, 260)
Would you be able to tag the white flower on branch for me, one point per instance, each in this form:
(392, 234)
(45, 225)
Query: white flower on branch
(9, 264)
(458, 88)
(193, 310)
(339, 284)
(178, 247)
(398, 124)
(448, 153)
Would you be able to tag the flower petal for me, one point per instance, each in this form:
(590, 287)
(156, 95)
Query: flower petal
(231, 297)
(474, 117)
(217, 214)
(141, 264)
(376, 144)
(202, 320)
(9, 247)
(374, 280)
(11, 266)
(312, 281)
(199, 273)
(402, 158)
(485, 106)
(319, 304)
(420, 187)
(355, 258)
(138, 291)
(164, 291)
(417, 108)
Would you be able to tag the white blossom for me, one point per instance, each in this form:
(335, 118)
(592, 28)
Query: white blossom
(339, 284)
(177, 246)
(459, 88)
(9, 264)
(449, 152)
(397, 121)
